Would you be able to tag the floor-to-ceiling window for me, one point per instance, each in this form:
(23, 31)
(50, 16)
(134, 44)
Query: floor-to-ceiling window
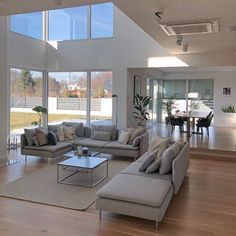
(26, 88)
(67, 96)
(101, 97)
(80, 96)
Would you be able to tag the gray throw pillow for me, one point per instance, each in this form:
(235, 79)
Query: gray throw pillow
(136, 141)
(53, 128)
(167, 157)
(52, 138)
(102, 135)
(135, 133)
(148, 158)
(29, 134)
(104, 128)
(154, 166)
(79, 130)
(36, 142)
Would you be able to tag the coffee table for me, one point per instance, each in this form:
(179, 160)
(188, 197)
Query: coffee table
(81, 165)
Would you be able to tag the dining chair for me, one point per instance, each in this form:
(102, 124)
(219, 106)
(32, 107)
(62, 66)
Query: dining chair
(204, 123)
(174, 121)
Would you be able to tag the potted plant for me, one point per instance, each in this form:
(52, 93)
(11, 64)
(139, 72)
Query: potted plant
(140, 106)
(40, 110)
(168, 105)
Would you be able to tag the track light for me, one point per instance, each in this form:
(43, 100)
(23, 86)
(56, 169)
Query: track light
(179, 40)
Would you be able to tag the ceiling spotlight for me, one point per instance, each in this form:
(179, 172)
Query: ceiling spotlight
(185, 48)
(179, 40)
(158, 14)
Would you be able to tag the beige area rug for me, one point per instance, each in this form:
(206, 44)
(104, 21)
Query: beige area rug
(42, 187)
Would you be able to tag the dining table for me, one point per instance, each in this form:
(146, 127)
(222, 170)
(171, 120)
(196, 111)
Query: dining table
(188, 116)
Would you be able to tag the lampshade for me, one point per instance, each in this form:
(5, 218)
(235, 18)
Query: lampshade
(192, 95)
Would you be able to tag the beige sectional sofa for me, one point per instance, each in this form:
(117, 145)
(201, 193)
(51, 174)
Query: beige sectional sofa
(84, 137)
(138, 194)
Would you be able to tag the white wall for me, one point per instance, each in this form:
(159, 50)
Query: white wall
(3, 88)
(130, 47)
(26, 52)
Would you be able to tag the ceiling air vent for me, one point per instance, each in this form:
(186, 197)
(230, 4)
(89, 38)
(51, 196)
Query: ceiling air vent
(198, 27)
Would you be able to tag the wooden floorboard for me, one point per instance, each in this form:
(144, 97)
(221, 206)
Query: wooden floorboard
(205, 204)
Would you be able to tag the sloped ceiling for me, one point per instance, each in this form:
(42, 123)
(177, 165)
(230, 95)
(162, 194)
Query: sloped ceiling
(208, 49)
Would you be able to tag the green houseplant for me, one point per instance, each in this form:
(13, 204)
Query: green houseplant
(40, 110)
(228, 109)
(140, 105)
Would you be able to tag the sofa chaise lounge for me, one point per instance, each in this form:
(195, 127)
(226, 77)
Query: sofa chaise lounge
(138, 194)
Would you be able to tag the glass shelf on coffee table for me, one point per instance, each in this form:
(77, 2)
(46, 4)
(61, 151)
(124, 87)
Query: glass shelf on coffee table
(81, 170)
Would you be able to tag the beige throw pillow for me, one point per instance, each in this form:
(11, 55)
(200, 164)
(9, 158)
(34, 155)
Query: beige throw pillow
(134, 133)
(42, 136)
(124, 137)
(60, 133)
(69, 133)
(159, 144)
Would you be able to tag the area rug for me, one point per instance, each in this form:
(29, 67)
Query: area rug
(42, 187)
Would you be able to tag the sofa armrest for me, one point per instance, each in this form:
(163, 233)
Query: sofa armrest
(144, 142)
(179, 167)
(23, 141)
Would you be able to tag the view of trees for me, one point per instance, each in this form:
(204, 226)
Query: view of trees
(29, 84)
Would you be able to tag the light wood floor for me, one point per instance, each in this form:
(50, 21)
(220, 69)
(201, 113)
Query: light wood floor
(219, 138)
(205, 205)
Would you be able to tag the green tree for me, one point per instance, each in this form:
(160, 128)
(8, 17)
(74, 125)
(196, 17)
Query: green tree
(27, 83)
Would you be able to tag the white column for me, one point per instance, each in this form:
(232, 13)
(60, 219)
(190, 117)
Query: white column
(3, 88)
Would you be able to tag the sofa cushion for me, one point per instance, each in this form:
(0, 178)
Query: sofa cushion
(36, 141)
(159, 144)
(136, 189)
(106, 128)
(53, 128)
(52, 138)
(123, 137)
(154, 166)
(168, 156)
(29, 134)
(133, 169)
(135, 133)
(74, 141)
(148, 159)
(117, 145)
(49, 148)
(60, 133)
(69, 133)
(92, 143)
(79, 129)
(101, 135)
(42, 136)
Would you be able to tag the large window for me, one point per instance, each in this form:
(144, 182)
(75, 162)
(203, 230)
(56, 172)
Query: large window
(29, 24)
(26, 93)
(68, 23)
(101, 97)
(67, 97)
(102, 20)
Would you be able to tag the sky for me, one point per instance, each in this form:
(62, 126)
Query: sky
(67, 23)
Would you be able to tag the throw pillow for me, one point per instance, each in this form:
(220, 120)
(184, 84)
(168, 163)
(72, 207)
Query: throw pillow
(136, 141)
(123, 137)
(69, 133)
(167, 157)
(29, 134)
(159, 144)
(154, 166)
(135, 133)
(52, 138)
(101, 135)
(148, 158)
(35, 140)
(79, 129)
(42, 136)
(60, 133)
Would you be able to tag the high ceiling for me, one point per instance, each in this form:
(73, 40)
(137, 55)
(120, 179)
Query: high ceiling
(219, 47)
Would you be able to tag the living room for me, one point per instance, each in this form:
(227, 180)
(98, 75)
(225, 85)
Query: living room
(124, 53)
